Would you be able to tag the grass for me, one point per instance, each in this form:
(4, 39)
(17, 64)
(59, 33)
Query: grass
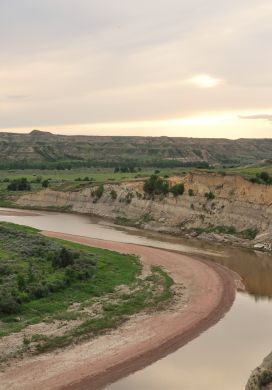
(110, 270)
(248, 234)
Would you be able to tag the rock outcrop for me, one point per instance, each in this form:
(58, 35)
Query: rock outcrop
(235, 202)
(261, 377)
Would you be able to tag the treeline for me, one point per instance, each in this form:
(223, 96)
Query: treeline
(120, 164)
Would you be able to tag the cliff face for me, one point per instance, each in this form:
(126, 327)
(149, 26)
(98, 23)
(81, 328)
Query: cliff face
(236, 202)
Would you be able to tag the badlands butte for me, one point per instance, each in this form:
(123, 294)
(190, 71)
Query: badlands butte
(214, 206)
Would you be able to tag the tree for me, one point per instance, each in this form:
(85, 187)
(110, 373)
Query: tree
(156, 186)
(265, 176)
(45, 183)
(177, 189)
(21, 184)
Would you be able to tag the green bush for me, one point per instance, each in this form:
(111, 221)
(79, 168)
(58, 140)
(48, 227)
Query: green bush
(209, 195)
(45, 183)
(99, 191)
(21, 184)
(156, 186)
(113, 194)
(190, 192)
(9, 302)
(177, 189)
(265, 378)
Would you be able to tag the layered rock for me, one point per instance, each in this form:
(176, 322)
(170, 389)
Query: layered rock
(236, 202)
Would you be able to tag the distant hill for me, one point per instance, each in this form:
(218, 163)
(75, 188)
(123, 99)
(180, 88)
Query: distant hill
(39, 147)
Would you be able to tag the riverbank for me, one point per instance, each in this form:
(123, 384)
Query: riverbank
(212, 207)
(141, 340)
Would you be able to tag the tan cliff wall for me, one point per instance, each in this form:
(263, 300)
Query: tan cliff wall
(237, 202)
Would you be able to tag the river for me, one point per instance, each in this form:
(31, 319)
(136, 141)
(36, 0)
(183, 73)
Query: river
(223, 356)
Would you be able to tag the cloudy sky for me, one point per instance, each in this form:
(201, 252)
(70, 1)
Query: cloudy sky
(200, 68)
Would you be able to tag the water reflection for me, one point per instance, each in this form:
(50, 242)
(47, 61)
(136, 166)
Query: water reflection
(221, 359)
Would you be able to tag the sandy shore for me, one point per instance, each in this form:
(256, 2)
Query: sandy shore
(141, 340)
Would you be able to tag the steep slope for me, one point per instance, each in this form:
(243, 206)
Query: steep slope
(236, 204)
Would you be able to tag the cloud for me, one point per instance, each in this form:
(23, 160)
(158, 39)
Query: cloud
(16, 97)
(204, 81)
(99, 61)
(257, 116)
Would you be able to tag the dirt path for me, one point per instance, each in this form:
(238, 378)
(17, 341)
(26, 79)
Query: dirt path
(140, 341)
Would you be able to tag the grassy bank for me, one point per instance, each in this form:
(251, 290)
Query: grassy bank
(67, 292)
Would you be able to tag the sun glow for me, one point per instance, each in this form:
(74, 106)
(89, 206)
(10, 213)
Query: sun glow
(204, 81)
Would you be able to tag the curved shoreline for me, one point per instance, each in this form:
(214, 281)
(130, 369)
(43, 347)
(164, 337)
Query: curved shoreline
(141, 340)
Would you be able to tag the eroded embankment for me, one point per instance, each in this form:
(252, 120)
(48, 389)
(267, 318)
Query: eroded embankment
(141, 340)
(210, 200)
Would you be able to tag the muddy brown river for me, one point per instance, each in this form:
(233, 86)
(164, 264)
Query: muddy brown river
(220, 358)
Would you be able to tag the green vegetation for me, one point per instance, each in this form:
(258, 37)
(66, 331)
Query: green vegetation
(190, 192)
(50, 281)
(37, 267)
(209, 195)
(113, 194)
(155, 185)
(98, 192)
(177, 189)
(262, 178)
(41, 150)
(265, 378)
(249, 171)
(21, 184)
(248, 234)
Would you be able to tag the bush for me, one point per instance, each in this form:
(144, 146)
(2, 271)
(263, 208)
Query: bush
(129, 197)
(190, 192)
(21, 184)
(64, 258)
(265, 378)
(209, 195)
(8, 302)
(45, 183)
(156, 186)
(265, 176)
(113, 194)
(99, 191)
(177, 189)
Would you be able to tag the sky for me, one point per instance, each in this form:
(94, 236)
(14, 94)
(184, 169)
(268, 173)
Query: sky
(198, 68)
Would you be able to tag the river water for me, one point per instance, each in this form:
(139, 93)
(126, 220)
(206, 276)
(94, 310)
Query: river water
(223, 356)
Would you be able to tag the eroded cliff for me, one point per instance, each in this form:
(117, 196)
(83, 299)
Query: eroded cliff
(233, 202)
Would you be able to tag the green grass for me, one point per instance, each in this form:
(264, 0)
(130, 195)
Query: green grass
(249, 171)
(248, 234)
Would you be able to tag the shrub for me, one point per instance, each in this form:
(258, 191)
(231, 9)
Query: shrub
(21, 184)
(129, 197)
(63, 258)
(265, 176)
(45, 183)
(177, 189)
(190, 192)
(249, 233)
(99, 191)
(113, 194)
(209, 195)
(156, 186)
(8, 302)
(265, 378)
